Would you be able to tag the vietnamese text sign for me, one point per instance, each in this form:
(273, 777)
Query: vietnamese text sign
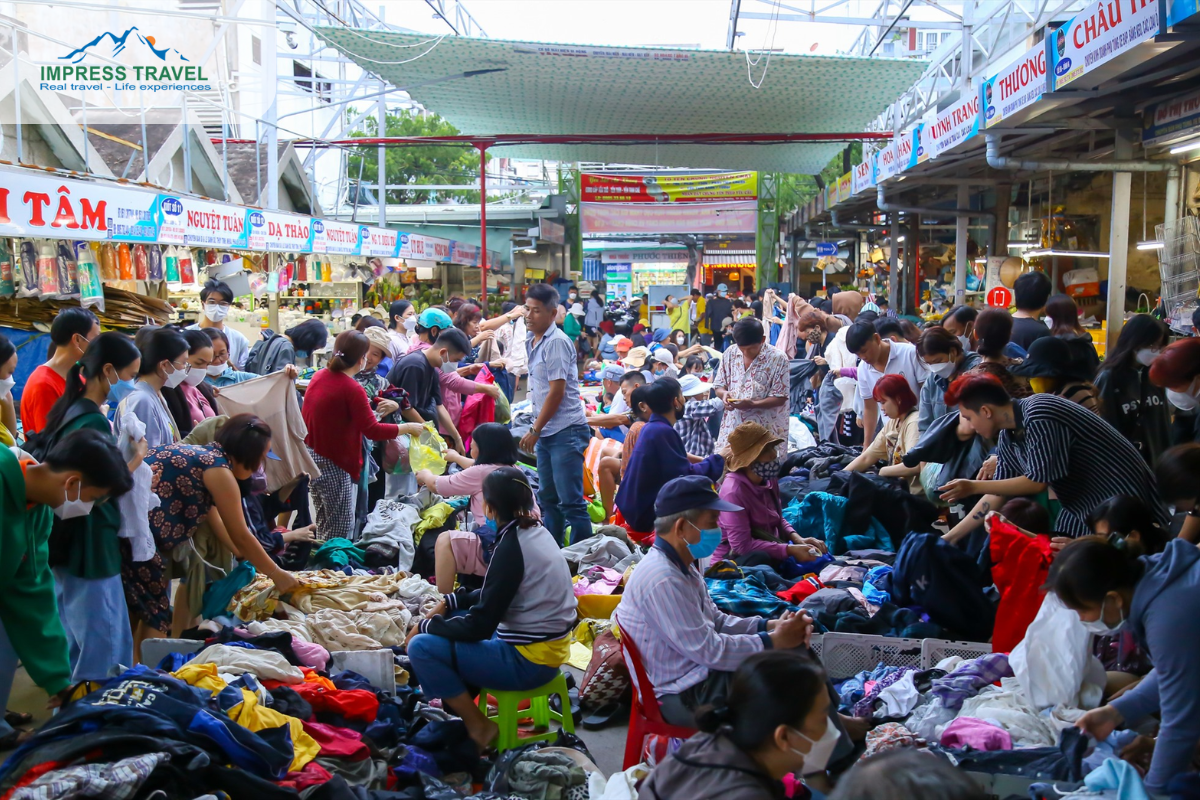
(643, 256)
(733, 217)
(430, 248)
(207, 223)
(598, 188)
(953, 126)
(280, 233)
(379, 242)
(1171, 118)
(1014, 87)
(336, 238)
(827, 249)
(845, 187)
(864, 177)
(551, 231)
(918, 152)
(1102, 31)
(33, 204)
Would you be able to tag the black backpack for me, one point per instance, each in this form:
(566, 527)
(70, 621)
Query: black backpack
(271, 353)
(41, 443)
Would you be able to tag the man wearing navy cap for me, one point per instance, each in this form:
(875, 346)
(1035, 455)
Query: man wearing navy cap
(689, 648)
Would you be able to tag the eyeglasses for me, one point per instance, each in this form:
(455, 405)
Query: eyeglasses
(220, 303)
(184, 367)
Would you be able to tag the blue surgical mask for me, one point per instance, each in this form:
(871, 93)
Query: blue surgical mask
(119, 391)
(709, 539)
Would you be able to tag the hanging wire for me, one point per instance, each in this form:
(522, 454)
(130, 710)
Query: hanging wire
(773, 28)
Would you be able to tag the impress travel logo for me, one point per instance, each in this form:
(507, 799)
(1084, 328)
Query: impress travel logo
(153, 66)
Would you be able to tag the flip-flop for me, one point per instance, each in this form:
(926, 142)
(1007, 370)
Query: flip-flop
(603, 717)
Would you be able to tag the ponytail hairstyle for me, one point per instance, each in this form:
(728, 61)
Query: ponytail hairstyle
(771, 688)
(348, 350)
(510, 496)
(107, 348)
(993, 329)
(159, 345)
(1088, 569)
(395, 311)
(1124, 514)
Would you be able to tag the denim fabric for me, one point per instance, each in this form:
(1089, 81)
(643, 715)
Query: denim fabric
(445, 668)
(96, 620)
(1062, 763)
(748, 597)
(560, 482)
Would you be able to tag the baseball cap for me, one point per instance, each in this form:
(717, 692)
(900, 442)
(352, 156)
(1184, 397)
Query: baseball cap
(691, 386)
(622, 344)
(612, 372)
(688, 493)
(663, 356)
(722, 289)
(661, 334)
(435, 318)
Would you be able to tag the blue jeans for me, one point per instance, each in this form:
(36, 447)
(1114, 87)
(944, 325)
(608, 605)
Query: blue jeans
(96, 620)
(445, 668)
(560, 482)
(8, 671)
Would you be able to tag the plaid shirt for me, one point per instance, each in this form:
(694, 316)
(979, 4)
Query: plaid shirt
(693, 426)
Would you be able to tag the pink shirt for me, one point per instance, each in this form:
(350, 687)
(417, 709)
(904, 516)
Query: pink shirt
(198, 405)
(470, 482)
(762, 511)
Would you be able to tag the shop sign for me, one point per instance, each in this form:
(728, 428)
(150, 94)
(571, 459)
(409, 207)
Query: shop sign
(33, 204)
(551, 231)
(1179, 10)
(953, 126)
(999, 297)
(379, 242)
(732, 217)
(465, 254)
(1172, 119)
(336, 238)
(415, 245)
(619, 273)
(1102, 31)
(202, 223)
(1014, 87)
(280, 233)
(887, 161)
(643, 256)
(918, 152)
(864, 177)
(845, 187)
(661, 188)
(826, 249)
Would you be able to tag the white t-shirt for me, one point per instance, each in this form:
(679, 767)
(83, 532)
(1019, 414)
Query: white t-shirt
(902, 360)
(239, 345)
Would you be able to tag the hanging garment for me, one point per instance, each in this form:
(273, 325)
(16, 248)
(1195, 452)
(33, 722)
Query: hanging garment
(273, 399)
(136, 504)
(1020, 564)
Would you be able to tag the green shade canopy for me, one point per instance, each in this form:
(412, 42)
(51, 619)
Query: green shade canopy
(580, 89)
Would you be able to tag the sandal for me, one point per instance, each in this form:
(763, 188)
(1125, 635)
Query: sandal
(604, 716)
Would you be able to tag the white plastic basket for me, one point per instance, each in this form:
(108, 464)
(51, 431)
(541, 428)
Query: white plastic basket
(935, 650)
(847, 654)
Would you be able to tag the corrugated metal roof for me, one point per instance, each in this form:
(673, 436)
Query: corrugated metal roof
(538, 88)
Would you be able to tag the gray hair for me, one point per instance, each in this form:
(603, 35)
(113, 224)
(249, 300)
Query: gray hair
(664, 525)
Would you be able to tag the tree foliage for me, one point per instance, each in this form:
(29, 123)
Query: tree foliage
(418, 165)
(796, 190)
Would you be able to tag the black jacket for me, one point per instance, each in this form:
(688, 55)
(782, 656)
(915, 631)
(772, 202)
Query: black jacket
(1136, 408)
(709, 767)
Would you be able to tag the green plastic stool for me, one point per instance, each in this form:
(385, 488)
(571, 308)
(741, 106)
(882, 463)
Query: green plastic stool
(507, 715)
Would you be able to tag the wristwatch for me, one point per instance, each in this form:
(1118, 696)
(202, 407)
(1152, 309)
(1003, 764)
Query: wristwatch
(535, 431)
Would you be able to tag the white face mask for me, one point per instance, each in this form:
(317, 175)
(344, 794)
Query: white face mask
(1186, 401)
(195, 377)
(1146, 356)
(965, 342)
(816, 759)
(215, 370)
(6, 386)
(448, 366)
(1099, 627)
(215, 312)
(410, 324)
(70, 509)
(175, 378)
(942, 370)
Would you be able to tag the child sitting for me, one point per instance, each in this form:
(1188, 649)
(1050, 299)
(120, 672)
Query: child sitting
(693, 425)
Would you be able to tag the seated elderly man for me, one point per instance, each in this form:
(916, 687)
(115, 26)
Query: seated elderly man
(689, 648)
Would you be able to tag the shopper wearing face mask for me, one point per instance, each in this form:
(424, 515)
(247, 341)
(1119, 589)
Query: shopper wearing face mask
(8, 409)
(164, 365)
(82, 468)
(1177, 369)
(221, 372)
(70, 333)
(775, 722)
(401, 327)
(1128, 399)
(193, 400)
(945, 358)
(216, 296)
(1154, 597)
(338, 416)
(84, 552)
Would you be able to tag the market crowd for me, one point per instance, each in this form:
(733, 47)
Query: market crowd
(740, 473)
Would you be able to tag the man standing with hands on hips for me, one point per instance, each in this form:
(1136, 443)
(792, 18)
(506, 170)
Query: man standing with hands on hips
(559, 435)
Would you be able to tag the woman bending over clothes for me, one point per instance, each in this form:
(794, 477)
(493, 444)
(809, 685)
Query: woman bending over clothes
(512, 634)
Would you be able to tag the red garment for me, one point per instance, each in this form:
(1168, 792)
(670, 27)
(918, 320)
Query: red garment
(644, 539)
(477, 409)
(1020, 564)
(41, 392)
(313, 774)
(803, 588)
(338, 415)
(337, 742)
(353, 704)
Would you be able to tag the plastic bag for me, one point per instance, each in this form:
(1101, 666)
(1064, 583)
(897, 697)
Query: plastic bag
(135, 505)
(68, 271)
(7, 286)
(1054, 663)
(426, 451)
(91, 290)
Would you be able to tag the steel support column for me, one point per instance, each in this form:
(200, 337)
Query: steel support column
(896, 287)
(961, 238)
(483, 265)
(1118, 239)
(381, 159)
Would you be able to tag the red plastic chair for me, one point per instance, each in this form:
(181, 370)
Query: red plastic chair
(644, 718)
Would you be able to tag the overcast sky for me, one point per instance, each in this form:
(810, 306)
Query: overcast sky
(675, 23)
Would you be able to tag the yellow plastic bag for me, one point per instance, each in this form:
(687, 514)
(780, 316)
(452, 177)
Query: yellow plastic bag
(426, 451)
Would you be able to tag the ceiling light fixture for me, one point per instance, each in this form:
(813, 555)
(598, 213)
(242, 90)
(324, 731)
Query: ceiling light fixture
(1146, 243)
(1185, 147)
(1065, 253)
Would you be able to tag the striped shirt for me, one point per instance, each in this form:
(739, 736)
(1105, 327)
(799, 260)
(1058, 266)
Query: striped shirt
(1083, 458)
(692, 425)
(674, 624)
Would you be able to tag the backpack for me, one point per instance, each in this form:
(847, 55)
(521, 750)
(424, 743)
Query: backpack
(272, 352)
(607, 677)
(40, 443)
